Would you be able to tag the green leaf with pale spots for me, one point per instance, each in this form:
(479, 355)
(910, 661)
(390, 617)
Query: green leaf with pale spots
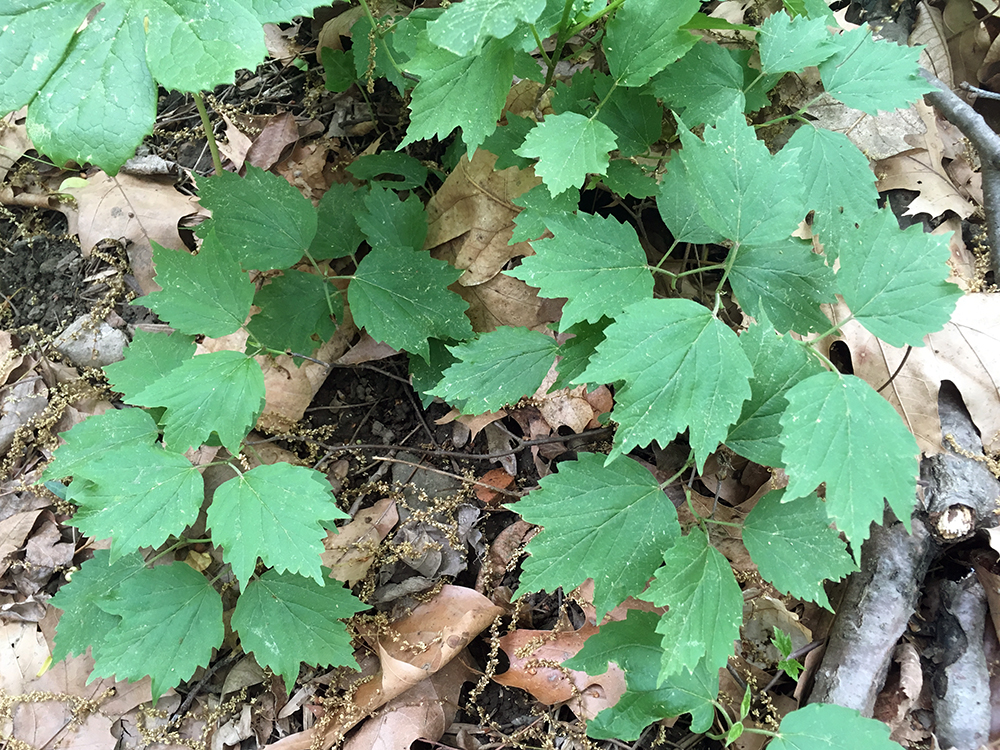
(274, 512)
(645, 36)
(610, 523)
(838, 430)
(683, 370)
(568, 147)
(308, 618)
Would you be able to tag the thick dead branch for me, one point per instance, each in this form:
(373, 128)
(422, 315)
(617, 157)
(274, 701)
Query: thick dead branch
(987, 143)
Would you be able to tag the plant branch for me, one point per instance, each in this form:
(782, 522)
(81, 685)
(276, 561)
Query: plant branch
(213, 147)
(960, 114)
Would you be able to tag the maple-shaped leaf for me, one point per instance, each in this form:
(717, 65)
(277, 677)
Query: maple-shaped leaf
(568, 147)
(337, 230)
(459, 91)
(148, 358)
(873, 75)
(391, 224)
(793, 44)
(389, 169)
(706, 606)
(400, 296)
(274, 512)
(265, 222)
(625, 178)
(496, 369)
(221, 392)
(502, 142)
(87, 75)
(838, 430)
(90, 439)
(595, 262)
(683, 369)
(679, 209)
(634, 116)
(836, 173)
(794, 547)
(778, 364)
(786, 280)
(610, 523)
(295, 307)
(171, 619)
(706, 81)
(732, 175)
(634, 645)
(136, 494)
(902, 295)
(645, 36)
(307, 615)
(824, 726)
(207, 293)
(463, 25)
(539, 207)
(83, 623)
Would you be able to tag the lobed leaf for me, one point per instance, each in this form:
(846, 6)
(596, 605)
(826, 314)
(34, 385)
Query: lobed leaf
(568, 147)
(295, 308)
(148, 358)
(824, 726)
(793, 44)
(464, 25)
(88, 440)
(645, 36)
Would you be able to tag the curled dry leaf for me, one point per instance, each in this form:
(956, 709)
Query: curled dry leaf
(966, 352)
(350, 551)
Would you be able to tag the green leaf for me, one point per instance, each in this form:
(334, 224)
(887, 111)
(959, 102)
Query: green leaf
(539, 208)
(498, 368)
(894, 280)
(568, 147)
(794, 547)
(733, 177)
(595, 262)
(703, 83)
(634, 645)
(836, 174)
(791, 45)
(633, 116)
(679, 209)
(467, 92)
(610, 523)
(338, 234)
(338, 65)
(306, 613)
(778, 364)
(294, 308)
(83, 623)
(575, 353)
(260, 218)
(149, 357)
(98, 434)
(371, 167)
(873, 75)
(706, 606)
(683, 369)
(427, 373)
(221, 392)
(824, 726)
(138, 495)
(838, 430)
(463, 25)
(786, 280)
(625, 178)
(392, 224)
(645, 36)
(171, 619)
(400, 296)
(206, 293)
(502, 142)
(274, 512)
(382, 48)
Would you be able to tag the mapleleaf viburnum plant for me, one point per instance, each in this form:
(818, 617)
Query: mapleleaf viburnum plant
(666, 113)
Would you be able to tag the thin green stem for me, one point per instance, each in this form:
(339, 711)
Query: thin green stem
(213, 147)
(675, 477)
(584, 23)
(797, 114)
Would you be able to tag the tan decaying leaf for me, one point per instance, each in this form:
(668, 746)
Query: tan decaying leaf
(139, 210)
(475, 423)
(420, 645)
(23, 653)
(968, 39)
(366, 350)
(350, 551)
(878, 137)
(21, 402)
(966, 352)
(14, 141)
(506, 301)
(276, 137)
(928, 31)
(10, 357)
(761, 615)
(424, 712)
(917, 170)
(471, 218)
(14, 531)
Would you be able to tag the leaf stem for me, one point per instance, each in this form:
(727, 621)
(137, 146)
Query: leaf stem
(213, 147)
